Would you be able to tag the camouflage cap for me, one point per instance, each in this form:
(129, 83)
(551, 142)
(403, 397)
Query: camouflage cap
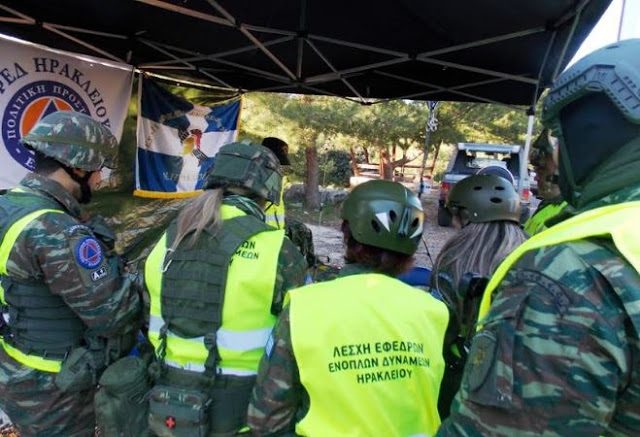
(74, 139)
(542, 147)
(249, 166)
(384, 214)
(279, 147)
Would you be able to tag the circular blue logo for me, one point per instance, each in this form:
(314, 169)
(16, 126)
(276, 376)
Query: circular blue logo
(27, 106)
(89, 253)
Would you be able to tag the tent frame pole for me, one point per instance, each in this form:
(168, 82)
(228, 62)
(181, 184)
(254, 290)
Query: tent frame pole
(483, 42)
(479, 70)
(171, 55)
(106, 54)
(188, 12)
(214, 56)
(328, 77)
(26, 19)
(87, 31)
(574, 24)
(302, 27)
(16, 20)
(453, 90)
(243, 29)
(330, 65)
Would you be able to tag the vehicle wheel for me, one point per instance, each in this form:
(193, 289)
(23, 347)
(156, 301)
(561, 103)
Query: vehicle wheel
(444, 217)
(525, 214)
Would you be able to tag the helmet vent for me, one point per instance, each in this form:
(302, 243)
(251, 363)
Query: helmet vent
(415, 222)
(375, 226)
(499, 188)
(496, 200)
(392, 216)
(477, 188)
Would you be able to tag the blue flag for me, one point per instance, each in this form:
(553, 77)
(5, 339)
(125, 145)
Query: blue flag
(178, 140)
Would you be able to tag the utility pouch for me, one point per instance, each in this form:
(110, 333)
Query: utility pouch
(178, 412)
(77, 372)
(120, 403)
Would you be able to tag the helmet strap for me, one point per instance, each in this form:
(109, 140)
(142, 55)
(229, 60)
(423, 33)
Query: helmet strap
(83, 181)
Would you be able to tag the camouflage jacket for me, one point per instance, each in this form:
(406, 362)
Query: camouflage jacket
(558, 354)
(50, 250)
(279, 400)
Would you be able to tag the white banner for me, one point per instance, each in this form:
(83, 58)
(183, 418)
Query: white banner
(36, 81)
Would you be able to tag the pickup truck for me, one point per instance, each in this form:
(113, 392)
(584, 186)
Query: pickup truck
(471, 158)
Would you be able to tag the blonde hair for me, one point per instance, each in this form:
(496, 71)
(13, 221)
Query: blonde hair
(477, 248)
(202, 213)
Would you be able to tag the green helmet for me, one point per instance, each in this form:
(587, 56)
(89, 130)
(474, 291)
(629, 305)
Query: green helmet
(593, 108)
(249, 166)
(384, 214)
(73, 139)
(613, 70)
(484, 198)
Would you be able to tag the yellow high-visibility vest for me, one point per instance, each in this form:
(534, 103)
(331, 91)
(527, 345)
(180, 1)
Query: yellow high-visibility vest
(369, 354)
(616, 221)
(246, 316)
(274, 214)
(12, 234)
(536, 222)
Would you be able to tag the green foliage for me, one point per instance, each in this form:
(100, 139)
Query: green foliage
(335, 168)
(341, 124)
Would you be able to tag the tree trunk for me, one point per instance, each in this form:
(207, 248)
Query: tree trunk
(386, 170)
(311, 190)
(366, 155)
(435, 157)
(354, 162)
(404, 160)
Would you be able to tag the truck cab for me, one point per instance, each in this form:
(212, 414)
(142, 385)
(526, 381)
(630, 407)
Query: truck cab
(468, 159)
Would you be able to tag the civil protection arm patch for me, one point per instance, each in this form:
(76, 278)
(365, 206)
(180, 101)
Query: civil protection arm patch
(88, 253)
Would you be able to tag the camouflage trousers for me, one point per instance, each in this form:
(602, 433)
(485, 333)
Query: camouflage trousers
(301, 236)
(38, 408)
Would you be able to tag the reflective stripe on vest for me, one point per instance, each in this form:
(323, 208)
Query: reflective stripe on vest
(617, 221)
(369, 354)
(8, 242)
(536, 222)
(275, 214)
(246, 316)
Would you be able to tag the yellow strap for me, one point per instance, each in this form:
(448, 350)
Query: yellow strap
(10, 239)
(536, 223)
(8, 242)
(32, 361)
(619, 221)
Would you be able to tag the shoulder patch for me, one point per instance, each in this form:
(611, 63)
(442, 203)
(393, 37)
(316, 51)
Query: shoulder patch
(77, 229)
(96, 275)
(560, 299)
(481, 359)
(268, 348)
(88, 253)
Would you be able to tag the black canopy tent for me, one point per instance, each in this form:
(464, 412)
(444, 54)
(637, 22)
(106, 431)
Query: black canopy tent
(368, 51)
(494, 51)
